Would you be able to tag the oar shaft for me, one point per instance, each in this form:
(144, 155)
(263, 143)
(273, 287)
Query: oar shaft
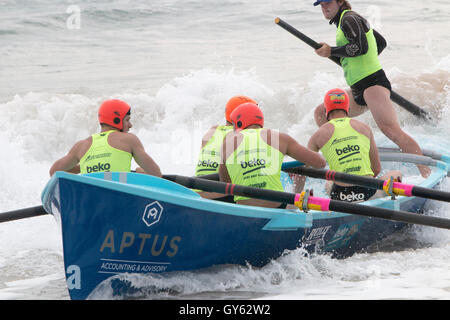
(430, 194)
(395, 215)
(313, 203)
(303, 37)
(232, 189)
(323, 204)
(22, 214)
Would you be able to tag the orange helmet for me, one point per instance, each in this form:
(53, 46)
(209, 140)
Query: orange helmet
(112, 112)
(336, 99)
(247, 114)
(235, 102)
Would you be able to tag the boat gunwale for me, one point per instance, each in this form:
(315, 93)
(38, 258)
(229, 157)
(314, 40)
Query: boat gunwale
(188, 198)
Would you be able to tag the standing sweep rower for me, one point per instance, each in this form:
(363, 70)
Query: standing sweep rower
(348, 146)
(111, 149)
(358, 47)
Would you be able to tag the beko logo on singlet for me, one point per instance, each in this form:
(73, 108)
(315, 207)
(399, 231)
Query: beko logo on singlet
(208, 164)
(100, 167)
(348, 151)
(254, 164)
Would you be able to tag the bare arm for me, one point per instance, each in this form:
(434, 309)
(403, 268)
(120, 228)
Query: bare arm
(312, 143)
(208, 135)
(225, 153)
(354, 28)
(364, 129)
(230, 143)
(223, 173)
(374, 157)
(143, 159)
(303, 154)
(69, 162)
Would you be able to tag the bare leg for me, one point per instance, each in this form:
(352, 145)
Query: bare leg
(380, 105)
(354, 109)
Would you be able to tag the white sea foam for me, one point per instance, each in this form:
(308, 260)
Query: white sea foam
(177, 81)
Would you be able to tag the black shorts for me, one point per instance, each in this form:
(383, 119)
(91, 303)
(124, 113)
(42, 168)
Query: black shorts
(378, 78)
(351, 193)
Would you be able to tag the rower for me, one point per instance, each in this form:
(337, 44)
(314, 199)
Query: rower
(252, 155)
(209, 157)
(111, 149)
(358, 46)
(348, 146)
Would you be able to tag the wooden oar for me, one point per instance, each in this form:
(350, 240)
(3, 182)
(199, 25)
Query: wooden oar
(396, 188)
(305, 201)
(402, 102)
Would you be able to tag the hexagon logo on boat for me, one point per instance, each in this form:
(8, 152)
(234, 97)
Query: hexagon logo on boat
(152, 213)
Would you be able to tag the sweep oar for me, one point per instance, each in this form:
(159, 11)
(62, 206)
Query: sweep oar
(306, 201)
(411, 107)
(389, 186)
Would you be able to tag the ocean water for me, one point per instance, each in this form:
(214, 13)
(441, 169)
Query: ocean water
(177, 63)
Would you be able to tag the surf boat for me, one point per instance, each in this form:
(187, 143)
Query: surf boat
(114, 223)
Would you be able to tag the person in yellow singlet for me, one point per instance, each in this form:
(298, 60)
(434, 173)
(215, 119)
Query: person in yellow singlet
(358, 47)
(348, 146)
(252, 155)
(209, 157)
(110, 150)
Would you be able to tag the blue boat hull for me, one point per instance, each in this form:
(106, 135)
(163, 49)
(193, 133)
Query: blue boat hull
(149, 224)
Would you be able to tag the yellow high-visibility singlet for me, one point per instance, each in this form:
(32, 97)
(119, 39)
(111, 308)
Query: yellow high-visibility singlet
(255, 163)
(101, 157)
(358, 68)
(347, 150)
(209, 158)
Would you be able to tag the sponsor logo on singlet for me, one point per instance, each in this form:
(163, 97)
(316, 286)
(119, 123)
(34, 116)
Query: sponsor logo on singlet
(348, 151)
(207, 165)
(100, 167)
(253, 165)
(98, 156)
